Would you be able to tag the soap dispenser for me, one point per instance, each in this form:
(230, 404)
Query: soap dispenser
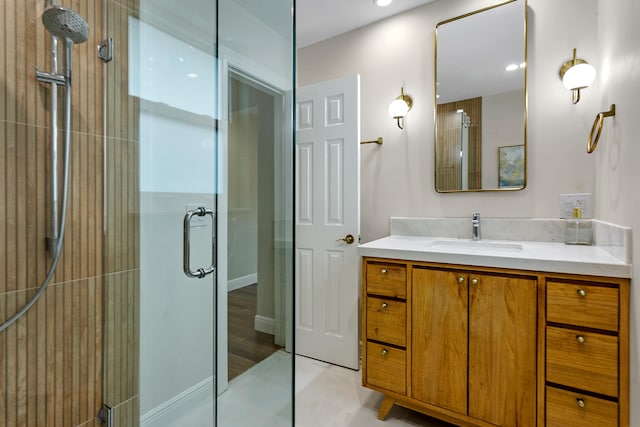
(578, 230)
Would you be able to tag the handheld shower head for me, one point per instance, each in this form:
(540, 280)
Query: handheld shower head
(65, 23)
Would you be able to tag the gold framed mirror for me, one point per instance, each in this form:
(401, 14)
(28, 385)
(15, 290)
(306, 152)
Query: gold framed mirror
(481, 100)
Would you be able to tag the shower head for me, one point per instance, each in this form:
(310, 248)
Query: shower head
(65, 23)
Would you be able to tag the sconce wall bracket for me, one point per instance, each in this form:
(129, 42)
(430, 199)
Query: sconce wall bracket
(406, 98)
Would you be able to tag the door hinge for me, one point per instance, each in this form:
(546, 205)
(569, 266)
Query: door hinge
(105, 50)
(104, 416)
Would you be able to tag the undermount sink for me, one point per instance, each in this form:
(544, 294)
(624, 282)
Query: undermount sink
(475, 246)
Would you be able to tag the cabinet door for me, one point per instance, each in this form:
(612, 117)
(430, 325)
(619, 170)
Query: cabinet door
(439, 338)
(502, 349)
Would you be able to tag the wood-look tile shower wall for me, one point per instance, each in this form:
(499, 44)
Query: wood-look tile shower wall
(449, 167)
(59, 360)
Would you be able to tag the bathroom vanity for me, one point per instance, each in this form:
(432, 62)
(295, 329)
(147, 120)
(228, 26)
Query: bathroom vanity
(506, 333)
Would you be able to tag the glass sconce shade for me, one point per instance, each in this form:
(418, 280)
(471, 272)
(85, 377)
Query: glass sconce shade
(398, 108)
(579, 76)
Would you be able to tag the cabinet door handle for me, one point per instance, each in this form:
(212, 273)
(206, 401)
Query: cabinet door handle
(580, 402)
(582, 293)
(384, 351)
(385, 305)
(580, 339)
(475, 281)
(460, 279)
(384, 271)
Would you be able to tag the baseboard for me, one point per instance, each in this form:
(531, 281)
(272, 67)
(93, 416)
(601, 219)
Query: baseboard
(180, 406)
(264, 324)
(241, 282)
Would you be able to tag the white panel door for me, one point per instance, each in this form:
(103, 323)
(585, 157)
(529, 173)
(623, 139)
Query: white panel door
(327, 210)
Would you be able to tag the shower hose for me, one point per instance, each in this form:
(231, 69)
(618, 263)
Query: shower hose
(63, 216)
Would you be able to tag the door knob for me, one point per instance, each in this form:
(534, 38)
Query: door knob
(349, 239)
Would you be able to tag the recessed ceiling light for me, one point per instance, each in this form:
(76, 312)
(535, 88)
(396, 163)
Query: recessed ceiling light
(511, 67)
(382, 3)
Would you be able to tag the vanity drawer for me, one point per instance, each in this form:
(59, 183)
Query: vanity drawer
(387, 367)
(585, 305)
(584, 360)
(387, 279)
(566, 408)
(387, 321)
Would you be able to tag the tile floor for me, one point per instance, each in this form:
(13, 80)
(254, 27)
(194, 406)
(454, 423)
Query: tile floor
(326, 396)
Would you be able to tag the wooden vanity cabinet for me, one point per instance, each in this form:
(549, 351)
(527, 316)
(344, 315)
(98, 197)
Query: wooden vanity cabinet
(494, 347)
(385, 326)
(474, 344)
(587, 359)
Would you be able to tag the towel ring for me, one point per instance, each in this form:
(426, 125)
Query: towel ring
(598, 122)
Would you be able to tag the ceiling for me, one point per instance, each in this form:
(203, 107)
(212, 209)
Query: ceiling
(318, 20)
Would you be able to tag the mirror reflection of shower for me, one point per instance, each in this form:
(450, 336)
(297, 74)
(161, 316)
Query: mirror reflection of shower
(465, 125)
(72, 29)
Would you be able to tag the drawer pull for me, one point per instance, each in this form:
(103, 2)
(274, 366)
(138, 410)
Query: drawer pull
(580, 402)
(385, 305)
(475, 281)
(460, 279)
(383, 271)
(582, 293)
(384, 351)
(580, 339)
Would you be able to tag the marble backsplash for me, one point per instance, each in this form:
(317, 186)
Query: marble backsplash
(612, 238)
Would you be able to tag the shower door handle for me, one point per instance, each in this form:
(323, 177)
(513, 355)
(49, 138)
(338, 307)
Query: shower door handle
(186, 252)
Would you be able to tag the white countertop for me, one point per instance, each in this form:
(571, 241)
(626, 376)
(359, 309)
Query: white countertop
(522, 255)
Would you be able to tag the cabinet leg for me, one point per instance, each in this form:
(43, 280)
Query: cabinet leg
(385, 407)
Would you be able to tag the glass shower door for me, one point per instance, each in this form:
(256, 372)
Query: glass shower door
(167, 179)
(161, 114)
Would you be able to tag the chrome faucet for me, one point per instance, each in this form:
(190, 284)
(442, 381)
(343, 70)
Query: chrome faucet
(475, 226)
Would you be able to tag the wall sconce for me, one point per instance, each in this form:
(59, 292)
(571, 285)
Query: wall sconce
(577, 74)
(399, 107)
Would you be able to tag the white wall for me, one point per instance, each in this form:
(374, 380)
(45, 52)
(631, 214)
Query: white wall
(243, 198)
(617, 156)
(397, 177)
(399, 51)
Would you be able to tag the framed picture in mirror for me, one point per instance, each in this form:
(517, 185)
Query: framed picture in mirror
(511, 166)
